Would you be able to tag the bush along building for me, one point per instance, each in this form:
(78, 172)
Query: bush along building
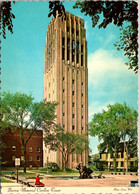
(66, 80)
(13, 148)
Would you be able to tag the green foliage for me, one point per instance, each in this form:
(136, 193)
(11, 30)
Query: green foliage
(66, 143)
(117, 124)
(53, 166)
(69, 170)
(133, 168)
(20, 112)
(6, 17)
(55, 6)
(3, 180)
(93, 167)
(128, 43)
(116, 13)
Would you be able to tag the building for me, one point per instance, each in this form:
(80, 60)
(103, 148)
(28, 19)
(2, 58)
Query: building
(107, 160)
(66, 79)
(34, 151)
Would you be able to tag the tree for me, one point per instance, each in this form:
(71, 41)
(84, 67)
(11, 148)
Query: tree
(113, 126)
(104, 126)
(19, 111)
(128, 43)
(55, 6)
(127, 127)
(6, 17)
(66, 143)
(117, 13)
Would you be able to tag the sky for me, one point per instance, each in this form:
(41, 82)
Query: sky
(22, 58)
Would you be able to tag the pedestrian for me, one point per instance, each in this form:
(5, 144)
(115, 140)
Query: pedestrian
(38, 181)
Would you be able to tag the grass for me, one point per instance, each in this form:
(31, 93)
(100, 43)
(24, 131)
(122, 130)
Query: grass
(3, 180)
(26, 175)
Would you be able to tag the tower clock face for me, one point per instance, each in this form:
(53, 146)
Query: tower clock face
(73, 47)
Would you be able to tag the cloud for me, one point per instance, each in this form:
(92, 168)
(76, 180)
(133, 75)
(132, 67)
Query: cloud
(107, 65)
(109, 80)
(97, 107)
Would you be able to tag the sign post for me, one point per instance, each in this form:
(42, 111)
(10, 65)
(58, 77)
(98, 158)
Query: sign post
(17, 164)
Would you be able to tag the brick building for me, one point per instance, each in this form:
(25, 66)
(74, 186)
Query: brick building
(34, 149)
(66, 79)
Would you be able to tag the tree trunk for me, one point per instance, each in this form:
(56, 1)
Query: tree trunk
(66, 161)
(24, 161)
(124, 155)
(115, 159)
(126, 158)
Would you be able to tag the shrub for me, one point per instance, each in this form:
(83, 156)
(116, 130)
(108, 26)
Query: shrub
(133, 168)
(53, 166)
(70, 170)
(93, 167)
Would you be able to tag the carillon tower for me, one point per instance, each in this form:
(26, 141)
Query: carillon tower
(66, 79)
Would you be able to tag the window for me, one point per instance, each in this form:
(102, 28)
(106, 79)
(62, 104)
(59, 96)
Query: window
(77, 52)
(73, 104)
(63, 102)
(63, 114)
(82, 94)
(38, 158)
(121, 154)
(73, 92)
(82, 83)
(68, 44)
(82, 128)
(73, 115)
(72, 30)
(63, 53)
(13, 158)
(131, 163)
(30, 158)
(73, 127)
(63, 90)
(121, 164)
(81, 48)
(30, 149)
(67, 28)
(63, 126)
(116, 164)
(38, 149)
(63, 41)
(63, 78)
(82, 105)
(82, 117)
(82, 60)
(77, 32)
(73, 81)
(13, 148)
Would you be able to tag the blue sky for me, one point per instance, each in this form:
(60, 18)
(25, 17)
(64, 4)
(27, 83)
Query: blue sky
(109, 80)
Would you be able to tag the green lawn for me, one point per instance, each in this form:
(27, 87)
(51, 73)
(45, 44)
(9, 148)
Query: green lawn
(3, 180)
